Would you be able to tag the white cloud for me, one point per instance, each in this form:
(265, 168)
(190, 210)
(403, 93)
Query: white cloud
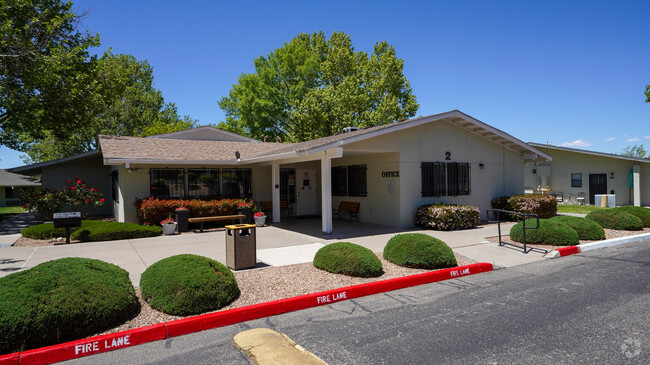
(611, 139)
(577, 143)
(646, 137)
(635, 139)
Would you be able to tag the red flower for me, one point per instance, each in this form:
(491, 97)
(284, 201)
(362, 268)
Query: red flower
(101, 200)
(25, 207)
(72, 188)
(87, 200)
(78, 181)
(69, 181)
(92, 189)
(76, 178)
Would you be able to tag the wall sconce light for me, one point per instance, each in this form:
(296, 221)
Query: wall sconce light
(481, 165)
(534, 171)
(611, 175)
(237, 155)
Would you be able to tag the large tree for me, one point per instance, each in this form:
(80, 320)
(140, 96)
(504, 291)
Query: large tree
(314, 87)
(647, 93)
(635, 151)
(126, 104)
(45, 70)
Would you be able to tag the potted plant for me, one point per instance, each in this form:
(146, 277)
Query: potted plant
(182, 215)
(168, 226)
(260, 219)
(246, 208)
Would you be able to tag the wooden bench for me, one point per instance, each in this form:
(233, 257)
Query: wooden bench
(351, 208)
(267, 207)
(200, 220)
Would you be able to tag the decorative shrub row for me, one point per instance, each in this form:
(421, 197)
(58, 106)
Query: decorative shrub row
(153, 210)
(348, 259)
(548, 233)
(446, 217)
(62, 300)
(188, 284)
(46, 230)
(586, 228)
(109, 231)
(420, 251)
(93, 231)
(614, 218)
(545, 206)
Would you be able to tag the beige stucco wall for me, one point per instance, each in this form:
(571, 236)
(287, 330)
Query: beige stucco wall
(91, 170)
(502, 175)
(567, 162)
(379, 206)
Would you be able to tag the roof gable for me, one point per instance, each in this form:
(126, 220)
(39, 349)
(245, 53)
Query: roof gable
(587, 152)
(205, 133)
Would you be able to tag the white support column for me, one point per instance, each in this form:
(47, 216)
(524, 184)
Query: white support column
(636, 179)
(326, 192)
(275, 180)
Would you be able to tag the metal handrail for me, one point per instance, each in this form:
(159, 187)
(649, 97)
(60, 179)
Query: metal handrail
(523, 215)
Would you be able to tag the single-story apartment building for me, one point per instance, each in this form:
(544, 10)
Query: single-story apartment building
(573, 171)
(389, 169)
(12, 184)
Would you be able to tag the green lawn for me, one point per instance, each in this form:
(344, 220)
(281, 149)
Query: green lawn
(8, 212)
(580, 209)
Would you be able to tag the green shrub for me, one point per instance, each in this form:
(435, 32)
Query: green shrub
(419, 250)
(639, 212)
(109, 231)
(446, 217)
(76, 193)
(152, 210)
(502, 202)
(46, 230)
(348, 259)
(545, 206)
(586, 228)
(548, 233)
(616, 219)
(63, 300)
(188, 284)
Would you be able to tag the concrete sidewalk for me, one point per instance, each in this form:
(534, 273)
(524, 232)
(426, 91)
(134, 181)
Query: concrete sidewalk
(292, 241)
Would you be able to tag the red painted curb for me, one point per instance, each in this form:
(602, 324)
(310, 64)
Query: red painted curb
(138, 336)
(324, 297)
(566, 251)
(93, 345)
(10, 359)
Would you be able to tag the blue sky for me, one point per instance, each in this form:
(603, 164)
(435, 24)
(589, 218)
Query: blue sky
(563, 72)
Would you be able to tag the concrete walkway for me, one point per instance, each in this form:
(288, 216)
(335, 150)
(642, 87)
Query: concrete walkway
(292, 241)
(15, 224)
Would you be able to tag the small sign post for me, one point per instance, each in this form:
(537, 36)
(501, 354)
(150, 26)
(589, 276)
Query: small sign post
(67, 220)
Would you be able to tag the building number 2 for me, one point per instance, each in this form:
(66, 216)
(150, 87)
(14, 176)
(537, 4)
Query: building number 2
(447, 155)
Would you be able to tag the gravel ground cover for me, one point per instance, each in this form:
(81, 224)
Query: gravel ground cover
(279, 282)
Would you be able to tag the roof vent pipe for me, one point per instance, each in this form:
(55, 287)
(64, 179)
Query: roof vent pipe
(350, 129)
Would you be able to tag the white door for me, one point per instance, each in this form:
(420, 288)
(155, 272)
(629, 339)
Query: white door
(306, 197)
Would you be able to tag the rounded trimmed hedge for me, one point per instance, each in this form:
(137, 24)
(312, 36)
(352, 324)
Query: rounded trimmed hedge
(188, 284)
(639, 212)
(63, 300)
(616, 219)
(110, 231)
(548, 233)
(586, 228)
(348, 259)
(418, 250)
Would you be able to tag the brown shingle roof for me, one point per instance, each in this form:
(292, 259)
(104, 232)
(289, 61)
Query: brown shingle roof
(135, 148)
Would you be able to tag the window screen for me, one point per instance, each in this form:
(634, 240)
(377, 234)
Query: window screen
(433, 179)
(576, 180)
(288, 185)
(357, 180)
(236, 183)
(167, 183)
(203, 183)
(339, 181)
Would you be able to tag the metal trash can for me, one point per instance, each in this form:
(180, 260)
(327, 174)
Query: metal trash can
(241, 246)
